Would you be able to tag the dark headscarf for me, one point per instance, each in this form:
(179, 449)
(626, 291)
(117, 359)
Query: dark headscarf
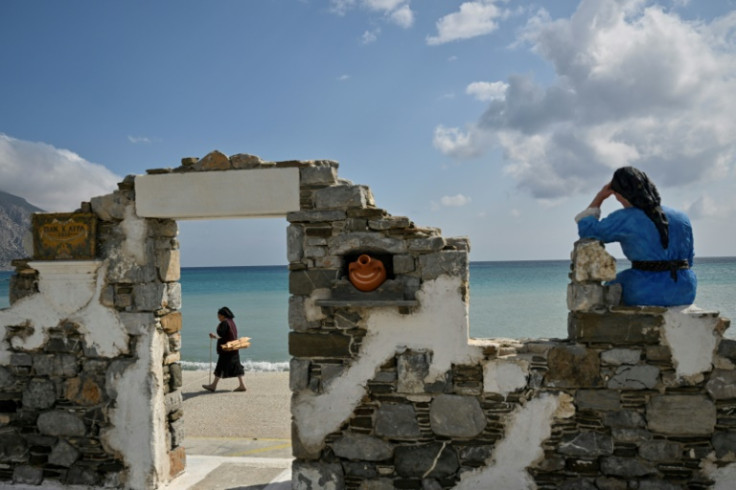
(225, 311)
(635, 186)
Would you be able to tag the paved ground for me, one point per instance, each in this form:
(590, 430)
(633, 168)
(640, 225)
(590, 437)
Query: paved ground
(222, 463)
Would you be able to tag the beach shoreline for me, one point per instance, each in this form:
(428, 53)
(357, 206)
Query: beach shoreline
(261, 412)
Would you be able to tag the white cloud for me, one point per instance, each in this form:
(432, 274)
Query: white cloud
(454, 201)
(343, 77)
(635, 85)
(51, 178)
(397, 12)
(487, 91)
(370, 36)
(139, 139)
(473, 19)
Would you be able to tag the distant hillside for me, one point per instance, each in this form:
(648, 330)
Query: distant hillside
(15, 220)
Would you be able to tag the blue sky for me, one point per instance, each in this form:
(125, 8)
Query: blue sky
(494, 119)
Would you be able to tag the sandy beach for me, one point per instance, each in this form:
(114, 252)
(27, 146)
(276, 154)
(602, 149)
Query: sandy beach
(261, 412)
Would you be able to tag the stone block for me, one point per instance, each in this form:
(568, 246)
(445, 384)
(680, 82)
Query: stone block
(597, 400)
(411, 369)
(626, 467)
(634, 378)
(305, 281)
(177, 433)
(176, 380)
(588, 296)
(63, 454)
(397, 421)
(587, 444)
(617, 328)
(82, 475)
(629, 435)
(177, 461)
(377, 484)
(403, 264)
(7, 380)
(451, 263)
(317, 476)
(456, 416)
(172, 300)
(318, 175)
(362, 447)
(61, 423)
(21, 359)
(39, 394)
(727, 349)
(316, 216)
(617, 357)
(591, 262)
(684, 415)
(149, 296)
(110, 206)
(214, 160)
(724, 443)
(27, 475)
(298, 374)
(343, 196)
(426, 244)
(173, 401)
(319, 344)
(168, 265)
(243, 161)
(13, 447)
(346, 243)
(390, 223)
(623, 418)
(64, 365)
(722, 384)
(417, 461)
(660, 450)
(573, 366)
(172, 322)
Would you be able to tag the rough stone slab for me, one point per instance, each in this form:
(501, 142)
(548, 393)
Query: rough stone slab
(319, 344)
(587, 444)
(172, 322)
(343, 197)
(573, 366)
(722, 385)
(55, 365)
(619, 356)
(316, 216)
(681, 415)
(626, 467)
(250, 193)
(365, 241)
(321, 175)
(298, 374)
(614, 328)
(168, 265)
(725, 444)
(305, 281)
(452, 263)
(361, 447)
(403, 264)
(63, 454)
(623, 419)
(397, 421)
(660, 450)
(60, 423)
(415, 461)
(13, 447)
(597, 400)
(294, 242)
(411, 368)
(27, 475)
(591, 262)
(457, 416)
(634, 378)
(39, 394)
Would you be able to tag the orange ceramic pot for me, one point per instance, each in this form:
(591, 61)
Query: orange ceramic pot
(366, 273)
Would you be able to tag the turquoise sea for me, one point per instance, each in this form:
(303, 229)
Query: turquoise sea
(519, 299)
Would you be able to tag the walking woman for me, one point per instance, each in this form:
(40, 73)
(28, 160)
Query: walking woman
(228, 362)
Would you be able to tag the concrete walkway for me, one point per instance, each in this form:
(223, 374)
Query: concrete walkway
(235, 464)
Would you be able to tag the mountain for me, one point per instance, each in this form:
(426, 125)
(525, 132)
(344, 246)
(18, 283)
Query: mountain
(15, 222)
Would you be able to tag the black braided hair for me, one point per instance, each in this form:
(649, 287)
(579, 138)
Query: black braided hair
(635, 186)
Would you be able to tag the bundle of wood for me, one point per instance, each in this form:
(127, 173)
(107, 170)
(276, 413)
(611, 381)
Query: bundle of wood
(241, 343)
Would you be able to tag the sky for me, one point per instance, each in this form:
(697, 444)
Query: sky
(498, 120)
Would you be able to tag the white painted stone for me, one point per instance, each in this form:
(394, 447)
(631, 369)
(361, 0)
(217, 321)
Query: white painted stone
(723, 477)
(526, 429)
(692, 337)
(439, 324)
(68, 290)
(312, 312)
(212, 195)
(504, 376)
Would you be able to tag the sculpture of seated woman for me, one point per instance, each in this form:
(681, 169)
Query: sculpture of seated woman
(658, 241)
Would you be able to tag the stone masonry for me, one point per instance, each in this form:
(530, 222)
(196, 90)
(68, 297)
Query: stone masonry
(388, 389)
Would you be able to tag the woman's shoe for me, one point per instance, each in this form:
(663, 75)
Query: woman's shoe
(209, 387)
(241, 388)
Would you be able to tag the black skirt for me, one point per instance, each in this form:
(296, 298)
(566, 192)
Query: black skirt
(228, 365)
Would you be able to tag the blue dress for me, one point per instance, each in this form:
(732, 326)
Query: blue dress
(639, 241)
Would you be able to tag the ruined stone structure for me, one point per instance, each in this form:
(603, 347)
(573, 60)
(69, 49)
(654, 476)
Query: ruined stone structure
(388, 390)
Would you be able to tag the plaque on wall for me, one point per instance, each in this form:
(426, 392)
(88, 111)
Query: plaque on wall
(64, 236)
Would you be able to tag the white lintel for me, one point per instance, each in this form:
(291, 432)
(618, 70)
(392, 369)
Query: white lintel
(248, 193)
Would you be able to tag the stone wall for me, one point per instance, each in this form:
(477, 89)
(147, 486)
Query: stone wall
(388, 389)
